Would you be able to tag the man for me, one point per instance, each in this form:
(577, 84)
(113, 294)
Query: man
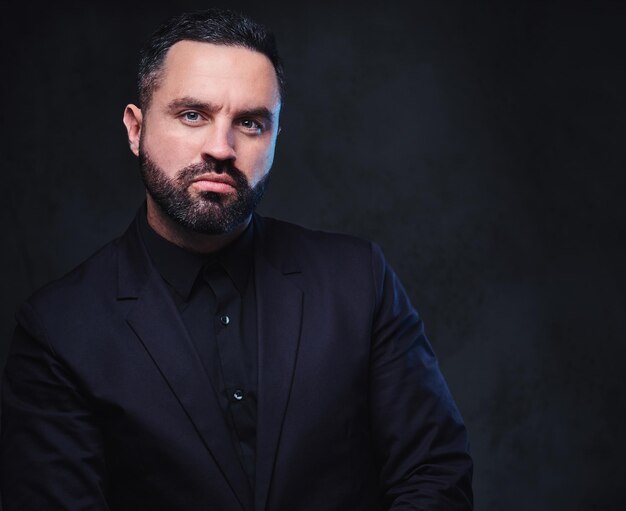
(214, 359)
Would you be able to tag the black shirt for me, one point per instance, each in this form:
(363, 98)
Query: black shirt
(216, 299)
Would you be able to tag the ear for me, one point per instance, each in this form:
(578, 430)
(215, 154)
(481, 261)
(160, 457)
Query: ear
(133, 119)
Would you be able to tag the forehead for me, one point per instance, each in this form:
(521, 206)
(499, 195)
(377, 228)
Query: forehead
(206, 70)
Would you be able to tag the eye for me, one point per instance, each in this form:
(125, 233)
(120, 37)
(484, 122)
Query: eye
(191, 117)
(251, 125)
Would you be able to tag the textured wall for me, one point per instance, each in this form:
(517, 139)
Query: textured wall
(480, 143)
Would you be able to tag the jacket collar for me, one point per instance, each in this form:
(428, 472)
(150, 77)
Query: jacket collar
(158, 326)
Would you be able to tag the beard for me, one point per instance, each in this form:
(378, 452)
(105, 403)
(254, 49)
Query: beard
(204, 212)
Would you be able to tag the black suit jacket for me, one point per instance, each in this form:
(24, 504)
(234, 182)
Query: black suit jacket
(106, 404)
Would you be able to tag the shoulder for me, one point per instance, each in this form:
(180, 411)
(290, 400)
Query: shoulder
(79, 311)
(279, 234)
(322, 254)
(74, 296)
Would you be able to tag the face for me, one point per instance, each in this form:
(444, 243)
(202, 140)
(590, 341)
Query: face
(206, 142)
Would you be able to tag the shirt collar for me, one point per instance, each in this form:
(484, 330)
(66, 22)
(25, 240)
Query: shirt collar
(180, 267)
(237, 257)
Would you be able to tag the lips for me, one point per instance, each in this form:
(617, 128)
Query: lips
(217, 183)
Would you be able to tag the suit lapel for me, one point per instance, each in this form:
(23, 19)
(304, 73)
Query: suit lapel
(159, 327)
(279, 318)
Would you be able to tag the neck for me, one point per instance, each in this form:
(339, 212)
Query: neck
(185, 238)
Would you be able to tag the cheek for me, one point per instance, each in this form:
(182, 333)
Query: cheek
(168, 149)
(258, 163)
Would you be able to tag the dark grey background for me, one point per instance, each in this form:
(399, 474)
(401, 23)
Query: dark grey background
(480, 143)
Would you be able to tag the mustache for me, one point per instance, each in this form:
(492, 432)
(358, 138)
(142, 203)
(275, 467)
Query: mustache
(212, 166)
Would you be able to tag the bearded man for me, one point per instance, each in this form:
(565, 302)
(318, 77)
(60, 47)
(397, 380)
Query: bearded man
(211, 358)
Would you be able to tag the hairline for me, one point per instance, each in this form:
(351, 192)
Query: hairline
(153, 80)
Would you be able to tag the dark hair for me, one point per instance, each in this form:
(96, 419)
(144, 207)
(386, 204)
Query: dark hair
(217, 26)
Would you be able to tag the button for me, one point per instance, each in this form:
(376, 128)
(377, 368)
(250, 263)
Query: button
(224, 319)
(238, 394)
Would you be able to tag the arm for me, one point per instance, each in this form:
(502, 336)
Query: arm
(51, 452)
(420, 438)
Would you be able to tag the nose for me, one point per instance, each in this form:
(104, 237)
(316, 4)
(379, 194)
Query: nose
(219, 143)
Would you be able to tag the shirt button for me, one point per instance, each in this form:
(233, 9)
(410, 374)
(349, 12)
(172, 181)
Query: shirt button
(238, 394)
(225, 320)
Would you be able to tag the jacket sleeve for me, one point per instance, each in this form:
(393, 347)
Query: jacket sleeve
(420, 439)
(51, 452)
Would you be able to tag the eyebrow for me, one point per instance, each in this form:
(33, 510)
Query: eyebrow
(196, 104)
